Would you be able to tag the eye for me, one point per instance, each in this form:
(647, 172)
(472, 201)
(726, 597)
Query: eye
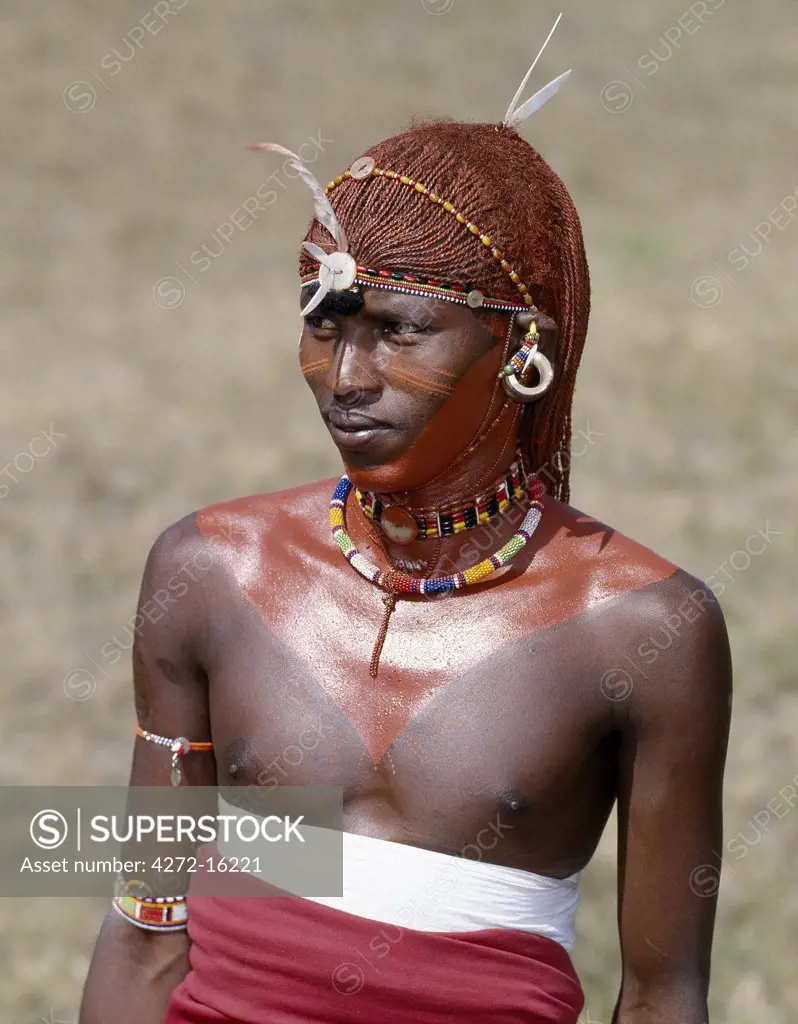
(402, 328)
(321, 324)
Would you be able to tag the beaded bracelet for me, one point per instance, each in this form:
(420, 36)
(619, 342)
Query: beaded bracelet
(152, 913)
(179, 747)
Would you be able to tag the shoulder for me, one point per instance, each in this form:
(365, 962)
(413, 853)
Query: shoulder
(178, 542)
(199, 537)
(660, 633)
(647, 598)
(264, 512)
(586, 563)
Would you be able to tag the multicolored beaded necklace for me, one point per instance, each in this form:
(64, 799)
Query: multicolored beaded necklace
(403, 525)
(395, 582)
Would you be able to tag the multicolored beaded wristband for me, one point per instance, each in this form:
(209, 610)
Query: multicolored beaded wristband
(152, 913)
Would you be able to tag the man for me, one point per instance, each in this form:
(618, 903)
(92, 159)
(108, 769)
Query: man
(483, 723)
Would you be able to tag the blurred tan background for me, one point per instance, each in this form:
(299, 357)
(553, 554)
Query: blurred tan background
(125, 129)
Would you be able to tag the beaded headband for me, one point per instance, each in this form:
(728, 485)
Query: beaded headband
(339, 271)
(365, 167)
(412, 284)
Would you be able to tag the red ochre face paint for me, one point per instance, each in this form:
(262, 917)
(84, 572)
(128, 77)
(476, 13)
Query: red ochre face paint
(315, 368)
(422, 371)
(503, 221)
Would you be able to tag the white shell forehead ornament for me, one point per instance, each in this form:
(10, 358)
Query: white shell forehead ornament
(338, 269)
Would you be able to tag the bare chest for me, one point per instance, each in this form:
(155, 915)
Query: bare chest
(473, 715)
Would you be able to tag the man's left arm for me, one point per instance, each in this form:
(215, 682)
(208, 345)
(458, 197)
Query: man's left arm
(673, 749)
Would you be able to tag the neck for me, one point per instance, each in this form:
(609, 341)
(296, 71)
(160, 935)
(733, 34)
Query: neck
(471, 472)
(469, 476)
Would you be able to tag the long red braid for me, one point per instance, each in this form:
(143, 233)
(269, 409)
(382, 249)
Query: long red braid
(498, 181)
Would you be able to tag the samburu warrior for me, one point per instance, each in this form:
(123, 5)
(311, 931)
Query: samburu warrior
(442, 635)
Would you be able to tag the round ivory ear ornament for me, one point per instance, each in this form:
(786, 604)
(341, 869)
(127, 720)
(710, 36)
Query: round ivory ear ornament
(337, 272)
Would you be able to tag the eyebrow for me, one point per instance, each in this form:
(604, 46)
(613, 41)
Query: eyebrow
(336, 304)
(408, 308)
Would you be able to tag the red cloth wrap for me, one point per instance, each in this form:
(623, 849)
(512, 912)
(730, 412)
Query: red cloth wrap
(286, 960)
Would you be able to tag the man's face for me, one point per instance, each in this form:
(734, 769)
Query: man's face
(403, 385)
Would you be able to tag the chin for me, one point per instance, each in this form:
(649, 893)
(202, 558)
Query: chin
(369, 470)
(373, 470)
(386, 475)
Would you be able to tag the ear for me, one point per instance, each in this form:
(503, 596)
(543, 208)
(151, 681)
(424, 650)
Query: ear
(547, 329)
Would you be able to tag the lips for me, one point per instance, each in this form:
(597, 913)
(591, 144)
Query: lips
(352, 420)
(352, 430)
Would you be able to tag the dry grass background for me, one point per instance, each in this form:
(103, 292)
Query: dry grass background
(165, 410)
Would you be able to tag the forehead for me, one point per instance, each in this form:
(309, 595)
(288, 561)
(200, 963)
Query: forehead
(381, 303)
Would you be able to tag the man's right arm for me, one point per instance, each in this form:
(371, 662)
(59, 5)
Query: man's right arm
(134, 971)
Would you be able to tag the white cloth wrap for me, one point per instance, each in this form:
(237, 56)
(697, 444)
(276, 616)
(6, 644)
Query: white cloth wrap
(415, 888)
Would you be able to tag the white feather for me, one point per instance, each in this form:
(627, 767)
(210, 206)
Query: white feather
(323, 210)
(317, 298)
(522, 86)
(536, 102)
(318, 254)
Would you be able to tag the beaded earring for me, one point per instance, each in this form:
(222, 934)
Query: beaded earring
(512, 374)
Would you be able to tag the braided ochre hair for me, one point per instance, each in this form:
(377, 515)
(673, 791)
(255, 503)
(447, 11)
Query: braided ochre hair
(498, 181)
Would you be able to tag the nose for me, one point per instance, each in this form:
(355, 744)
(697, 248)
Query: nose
(351, 374)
